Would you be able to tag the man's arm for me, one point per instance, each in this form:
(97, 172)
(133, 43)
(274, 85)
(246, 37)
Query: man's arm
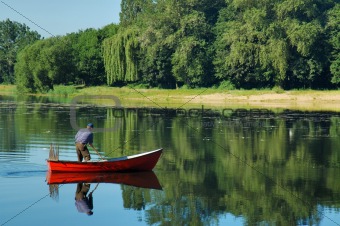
(96, 151)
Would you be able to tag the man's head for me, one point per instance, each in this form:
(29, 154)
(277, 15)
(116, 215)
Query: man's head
(90, 125)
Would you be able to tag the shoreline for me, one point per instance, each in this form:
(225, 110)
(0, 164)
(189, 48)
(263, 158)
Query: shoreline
(300, 100)
(308, 100)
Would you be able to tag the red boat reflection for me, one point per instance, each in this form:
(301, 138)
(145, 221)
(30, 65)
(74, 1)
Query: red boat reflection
(146, 179)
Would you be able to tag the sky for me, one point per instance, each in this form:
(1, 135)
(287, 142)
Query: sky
(60, 17)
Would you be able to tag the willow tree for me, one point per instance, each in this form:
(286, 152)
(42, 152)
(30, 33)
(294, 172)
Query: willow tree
(120, 56)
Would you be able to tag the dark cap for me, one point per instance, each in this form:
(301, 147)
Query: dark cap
(90, 125)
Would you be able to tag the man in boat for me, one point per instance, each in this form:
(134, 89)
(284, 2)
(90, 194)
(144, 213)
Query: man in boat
(82, 138)
(84, 203)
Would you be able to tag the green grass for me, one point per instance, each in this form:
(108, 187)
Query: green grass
(134, 92)
(212, 97)
(61, 90)
(8, 89)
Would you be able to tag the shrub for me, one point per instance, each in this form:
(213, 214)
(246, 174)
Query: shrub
(226, 85)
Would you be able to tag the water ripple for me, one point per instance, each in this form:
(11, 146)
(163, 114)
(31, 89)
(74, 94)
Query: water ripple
(29, 173)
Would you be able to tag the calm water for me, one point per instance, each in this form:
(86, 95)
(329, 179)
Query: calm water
(220, 167)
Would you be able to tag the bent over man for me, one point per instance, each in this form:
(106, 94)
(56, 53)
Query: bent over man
(82, 138)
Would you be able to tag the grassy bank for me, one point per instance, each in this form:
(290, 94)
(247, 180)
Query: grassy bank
(7, 90)
(271, 99)
(279, 99)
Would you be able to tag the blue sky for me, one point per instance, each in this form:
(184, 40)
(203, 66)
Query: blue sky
(52, 18)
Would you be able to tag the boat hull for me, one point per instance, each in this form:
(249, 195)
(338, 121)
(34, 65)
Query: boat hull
(141, 162)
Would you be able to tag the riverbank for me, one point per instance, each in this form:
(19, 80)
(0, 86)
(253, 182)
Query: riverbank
(270, 99)
(310, 100)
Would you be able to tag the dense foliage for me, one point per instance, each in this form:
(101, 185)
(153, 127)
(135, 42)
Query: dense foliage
(193, 43)
(13, 37)
(72, 59)
(43, 64)
(249, 44)
(172, 43)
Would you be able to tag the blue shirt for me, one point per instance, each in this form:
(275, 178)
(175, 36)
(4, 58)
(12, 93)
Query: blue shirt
(84, 136)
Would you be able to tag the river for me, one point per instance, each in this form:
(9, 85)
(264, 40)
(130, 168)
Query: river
(220, 166)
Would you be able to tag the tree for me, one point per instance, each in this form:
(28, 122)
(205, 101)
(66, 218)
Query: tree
(303, 23)
(130, 10)
(190, 59)
(173, 39)
(13, 37)
(87, 57)
(87, 54)
(44, 64)
(122, 50)
(241, 45)
(107, 32)
(71, 59)
(157, 44)
(333, 28)
(120, 53)
(272, 42)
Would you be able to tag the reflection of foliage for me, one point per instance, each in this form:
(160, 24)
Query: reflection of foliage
(135, 198)
(129, 127)
(8, 139)
(276, 169)
(24, 121)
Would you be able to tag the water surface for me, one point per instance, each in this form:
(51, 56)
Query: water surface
(219, 167)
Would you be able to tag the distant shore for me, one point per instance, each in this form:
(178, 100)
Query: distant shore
(309, 100)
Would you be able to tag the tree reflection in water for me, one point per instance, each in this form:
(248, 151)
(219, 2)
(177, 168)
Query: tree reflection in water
(279, 168)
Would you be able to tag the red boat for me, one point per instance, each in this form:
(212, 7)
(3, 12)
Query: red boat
(140, 162)
(146, 179)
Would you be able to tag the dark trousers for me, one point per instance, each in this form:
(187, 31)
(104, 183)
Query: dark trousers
(82, 152)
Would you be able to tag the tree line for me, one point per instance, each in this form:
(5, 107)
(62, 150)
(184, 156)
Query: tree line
(68, 60)
(239, 43)
(191, 43)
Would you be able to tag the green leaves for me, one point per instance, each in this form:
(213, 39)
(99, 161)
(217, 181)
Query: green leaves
(303, 35)
(120, 53)
(263, 41)
(245, 60)
(168, 43)
(87, 55)
(190, 56)
(333, 27)
(13, 37)
(76, 58)
(43, 64)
